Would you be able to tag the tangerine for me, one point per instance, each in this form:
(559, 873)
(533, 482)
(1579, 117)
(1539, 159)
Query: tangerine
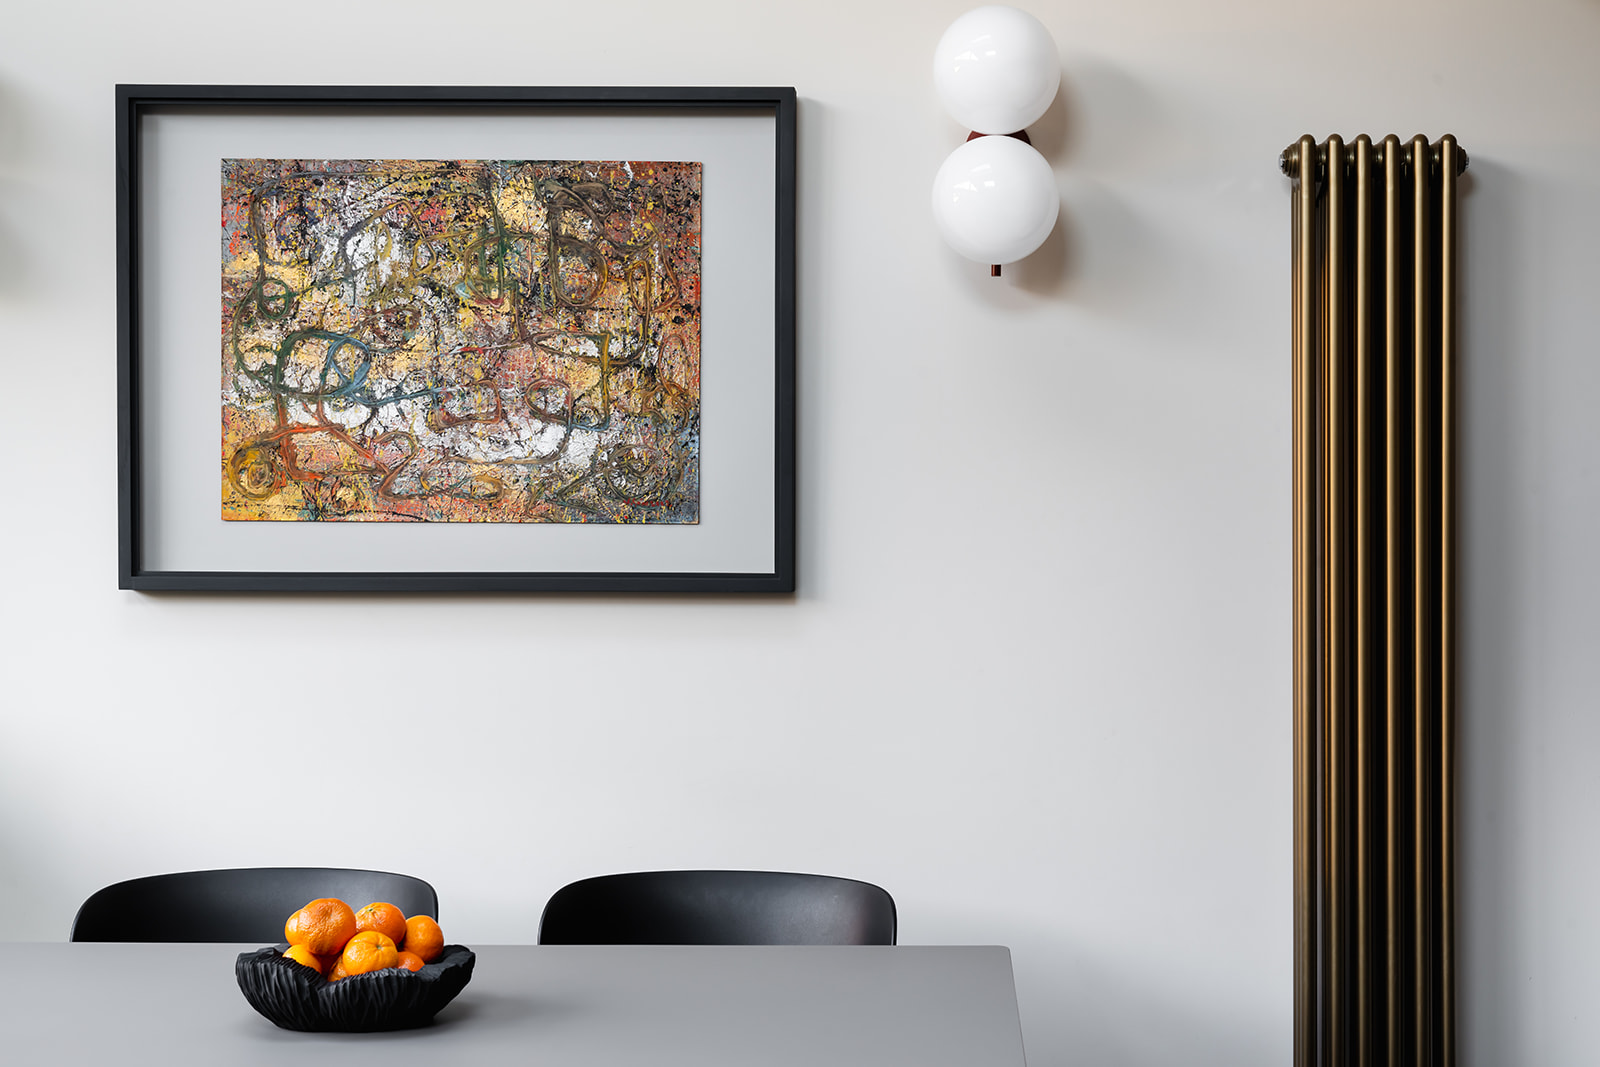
(323, 926)
(387, 919)
(369, 951)
(424, 939)
(337, 971)
(409, 961)
(305, 958)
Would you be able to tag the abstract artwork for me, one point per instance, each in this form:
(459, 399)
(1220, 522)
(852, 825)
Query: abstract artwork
(461, 341)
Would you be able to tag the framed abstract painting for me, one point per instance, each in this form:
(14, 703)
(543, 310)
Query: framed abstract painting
(456, 339)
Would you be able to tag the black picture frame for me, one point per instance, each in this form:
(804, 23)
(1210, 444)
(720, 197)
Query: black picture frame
(134, 103)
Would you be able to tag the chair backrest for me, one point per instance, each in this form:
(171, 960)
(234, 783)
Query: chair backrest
(241, 904)
(718, 908)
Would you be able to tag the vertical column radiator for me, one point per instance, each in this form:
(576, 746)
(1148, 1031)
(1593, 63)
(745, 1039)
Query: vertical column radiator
(1375, 340)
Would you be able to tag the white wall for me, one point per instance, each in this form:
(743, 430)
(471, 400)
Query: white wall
(1036, 679)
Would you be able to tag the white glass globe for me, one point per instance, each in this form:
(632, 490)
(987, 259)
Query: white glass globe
(996, 69)
(995, 199)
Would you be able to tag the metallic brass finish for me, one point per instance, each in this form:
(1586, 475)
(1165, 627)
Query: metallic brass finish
(1334, 541)
(1422, 634)
(1447, 502)
(1392, 619)
(1305, 319)
(1365, 674)
(1374, 693)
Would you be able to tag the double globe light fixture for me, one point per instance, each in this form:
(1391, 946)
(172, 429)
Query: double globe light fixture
(995, 198)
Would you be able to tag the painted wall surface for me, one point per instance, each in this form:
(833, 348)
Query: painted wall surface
(1036, 678)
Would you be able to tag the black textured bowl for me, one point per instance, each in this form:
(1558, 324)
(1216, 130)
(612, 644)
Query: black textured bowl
(298, 998)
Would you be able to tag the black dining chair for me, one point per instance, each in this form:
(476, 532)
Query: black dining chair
(718, 908)
(239, 904)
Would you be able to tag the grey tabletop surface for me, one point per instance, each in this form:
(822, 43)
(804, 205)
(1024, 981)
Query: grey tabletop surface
(552, 1005)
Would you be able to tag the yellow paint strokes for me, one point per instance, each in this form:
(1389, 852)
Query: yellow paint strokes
(520, 206)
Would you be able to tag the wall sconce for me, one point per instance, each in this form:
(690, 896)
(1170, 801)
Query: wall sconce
(995, 198)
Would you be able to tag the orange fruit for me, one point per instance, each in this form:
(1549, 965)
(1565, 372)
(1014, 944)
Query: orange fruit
(387, 919)
(424, 939)
(409, 961)
(368, 951)
(305, 958)
(322, 926)
(337, 971)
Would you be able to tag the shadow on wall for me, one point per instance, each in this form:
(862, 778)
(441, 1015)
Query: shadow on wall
(14, 198)
(1079, 1010)
(1495, 458)
(30, 887)
(1105, 1015)
(1102, 123)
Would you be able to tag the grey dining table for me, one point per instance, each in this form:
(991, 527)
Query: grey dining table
(552, 1005)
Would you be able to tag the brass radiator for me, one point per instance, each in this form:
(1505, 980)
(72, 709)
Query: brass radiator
(1375, 339)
